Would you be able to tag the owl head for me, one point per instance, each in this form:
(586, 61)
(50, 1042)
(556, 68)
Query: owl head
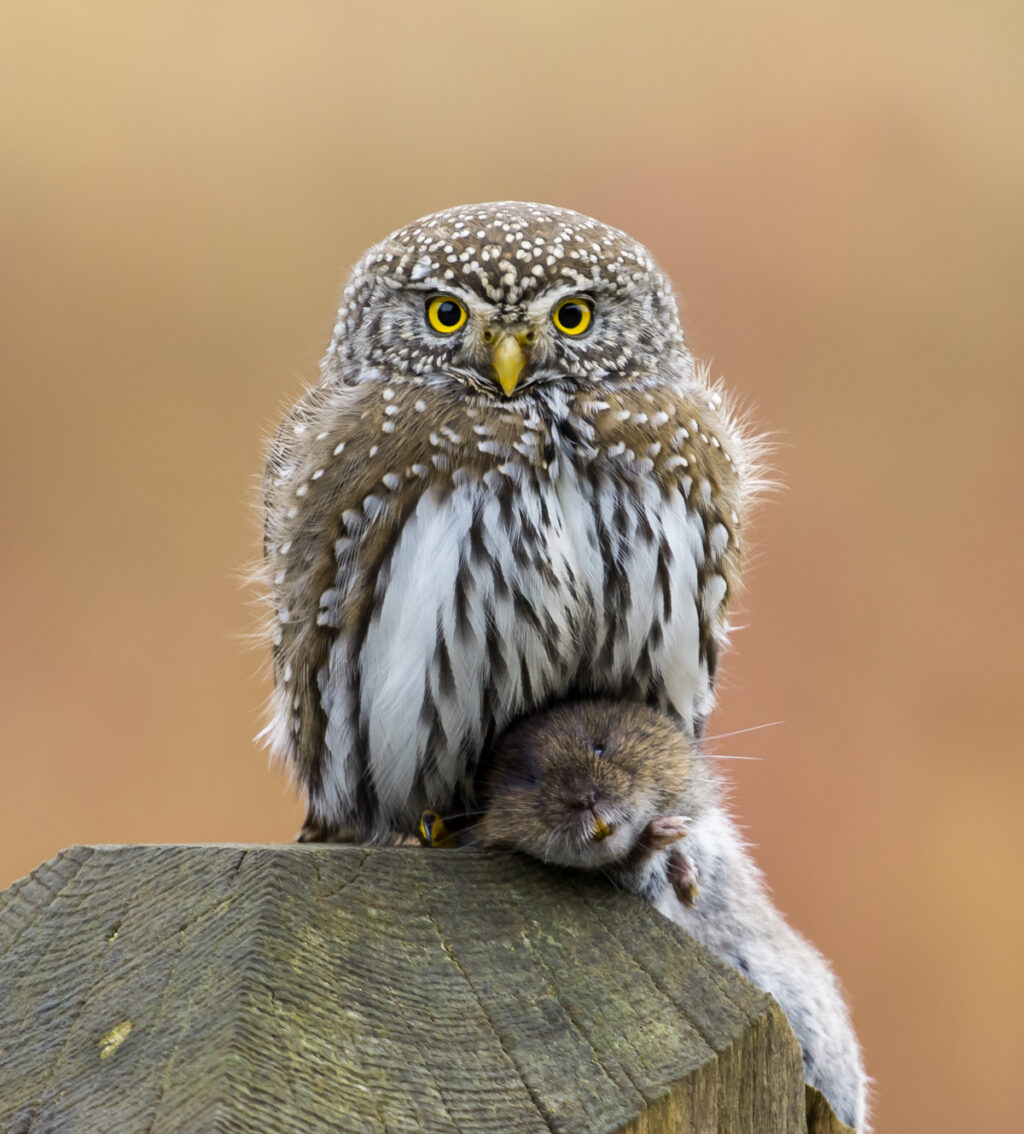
(504, 298)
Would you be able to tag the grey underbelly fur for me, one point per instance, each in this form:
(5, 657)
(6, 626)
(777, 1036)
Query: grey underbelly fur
(736, 920)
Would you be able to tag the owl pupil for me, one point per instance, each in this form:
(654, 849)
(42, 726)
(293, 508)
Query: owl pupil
(448, 313)
(570, 316)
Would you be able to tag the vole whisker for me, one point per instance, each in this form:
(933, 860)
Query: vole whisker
(722, 756)
(740, 731)
(450, 815)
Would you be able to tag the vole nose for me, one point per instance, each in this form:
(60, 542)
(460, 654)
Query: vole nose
(598, 828)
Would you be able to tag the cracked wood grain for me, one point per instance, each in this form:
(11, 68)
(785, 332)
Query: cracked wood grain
(300, 988)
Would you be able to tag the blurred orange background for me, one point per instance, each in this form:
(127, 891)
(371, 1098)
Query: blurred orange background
(836, 191)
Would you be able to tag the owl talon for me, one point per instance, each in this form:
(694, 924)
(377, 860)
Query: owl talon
(434, 832)
(314, 831)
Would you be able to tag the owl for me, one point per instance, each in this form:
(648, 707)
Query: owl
(512, 485)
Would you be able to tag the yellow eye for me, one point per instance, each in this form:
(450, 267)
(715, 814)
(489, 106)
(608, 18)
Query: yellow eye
(572, 316)
(446, 314)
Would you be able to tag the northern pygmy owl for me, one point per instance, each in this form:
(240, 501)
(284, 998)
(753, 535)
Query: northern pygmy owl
(511, 485)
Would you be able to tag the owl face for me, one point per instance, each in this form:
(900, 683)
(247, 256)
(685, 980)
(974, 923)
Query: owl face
(503, 299)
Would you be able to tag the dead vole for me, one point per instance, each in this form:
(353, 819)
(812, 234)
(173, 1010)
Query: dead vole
(615, 787)
(597, 785)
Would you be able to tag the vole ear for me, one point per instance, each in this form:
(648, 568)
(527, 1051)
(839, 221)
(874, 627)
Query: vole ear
(521, 769)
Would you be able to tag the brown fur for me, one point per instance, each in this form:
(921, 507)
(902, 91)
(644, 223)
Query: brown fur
(547, 778)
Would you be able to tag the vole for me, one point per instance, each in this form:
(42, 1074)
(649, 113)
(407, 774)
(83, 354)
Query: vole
(616, 787)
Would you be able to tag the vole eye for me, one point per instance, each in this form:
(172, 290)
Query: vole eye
(597, 749)
(572, 316)
(446, 314)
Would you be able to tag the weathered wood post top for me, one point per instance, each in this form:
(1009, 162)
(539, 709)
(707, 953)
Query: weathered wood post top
(307, 988)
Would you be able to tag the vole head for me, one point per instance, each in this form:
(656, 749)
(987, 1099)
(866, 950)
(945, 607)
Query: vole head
(578, 784)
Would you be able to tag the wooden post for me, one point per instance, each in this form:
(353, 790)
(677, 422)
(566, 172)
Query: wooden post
(306, 988)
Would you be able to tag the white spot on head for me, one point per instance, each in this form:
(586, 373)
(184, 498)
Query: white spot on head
(421, 269)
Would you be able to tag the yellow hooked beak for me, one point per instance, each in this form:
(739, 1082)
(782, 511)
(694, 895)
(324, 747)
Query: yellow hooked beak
(508, 358)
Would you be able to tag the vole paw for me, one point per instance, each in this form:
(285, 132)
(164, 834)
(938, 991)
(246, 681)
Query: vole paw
(664, 831)
(683, 876)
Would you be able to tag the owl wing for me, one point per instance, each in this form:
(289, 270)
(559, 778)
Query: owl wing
(683, 463)
(367, 551)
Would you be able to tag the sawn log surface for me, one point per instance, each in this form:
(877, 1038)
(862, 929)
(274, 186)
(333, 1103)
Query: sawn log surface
(305, 988)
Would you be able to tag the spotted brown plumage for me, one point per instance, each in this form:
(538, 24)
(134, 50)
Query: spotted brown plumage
(464, 525)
